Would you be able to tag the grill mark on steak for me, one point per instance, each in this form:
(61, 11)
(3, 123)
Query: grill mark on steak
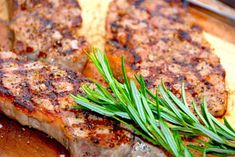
(47, 30)
(170, 46)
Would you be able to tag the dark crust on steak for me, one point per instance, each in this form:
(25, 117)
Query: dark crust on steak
(161, 41)
(48, 30)
(42, 91)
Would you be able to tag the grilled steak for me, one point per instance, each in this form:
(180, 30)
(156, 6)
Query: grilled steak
(38, 95)
(47, 30)
(161, 41)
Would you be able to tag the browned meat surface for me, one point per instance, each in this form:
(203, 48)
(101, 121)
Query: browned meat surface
(47, 29)
(161, 40)
(38, 95)
(5, 37)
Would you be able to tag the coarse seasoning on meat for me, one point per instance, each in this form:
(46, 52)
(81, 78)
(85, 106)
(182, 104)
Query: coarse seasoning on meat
(161, 41)
(46, 30)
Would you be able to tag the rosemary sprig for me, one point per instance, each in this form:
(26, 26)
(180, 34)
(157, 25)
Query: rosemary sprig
(160, 118)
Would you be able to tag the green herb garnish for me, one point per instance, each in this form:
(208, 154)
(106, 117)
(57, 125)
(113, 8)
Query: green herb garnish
(161, 118)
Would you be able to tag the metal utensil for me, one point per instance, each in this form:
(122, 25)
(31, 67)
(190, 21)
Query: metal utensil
(224, 12)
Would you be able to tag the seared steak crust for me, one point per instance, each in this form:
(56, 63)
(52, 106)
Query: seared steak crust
(38, 94)
(162, 42)
(47, 30)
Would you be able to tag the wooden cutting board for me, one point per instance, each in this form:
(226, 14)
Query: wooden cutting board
(19, 141)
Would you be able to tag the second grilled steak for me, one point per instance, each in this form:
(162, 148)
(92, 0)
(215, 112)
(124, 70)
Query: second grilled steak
(47, 30)
(161, 41)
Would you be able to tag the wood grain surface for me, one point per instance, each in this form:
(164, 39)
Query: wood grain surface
(19, 141)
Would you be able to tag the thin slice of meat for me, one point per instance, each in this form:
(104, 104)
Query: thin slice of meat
(161, 41)
(47, 30)
(5, 37)
(38, 95)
